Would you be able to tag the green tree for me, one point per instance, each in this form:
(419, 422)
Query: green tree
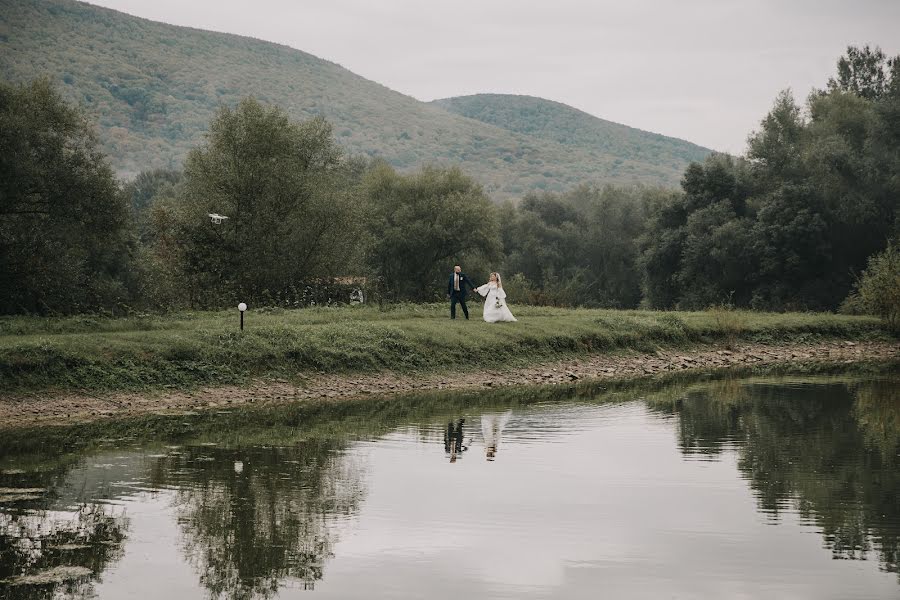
(615, 220)
(544, 240)
(697, 248)
(776, 150)
(64, 223)
(286, 190)
(717, 258)
(787, 228)
(420, 225)
(865, 72)
(794, 252)
(578, 248)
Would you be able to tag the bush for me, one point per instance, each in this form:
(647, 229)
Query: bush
(878, 290)
(519, 290)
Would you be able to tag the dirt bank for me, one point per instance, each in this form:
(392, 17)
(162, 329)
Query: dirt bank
(57, 408)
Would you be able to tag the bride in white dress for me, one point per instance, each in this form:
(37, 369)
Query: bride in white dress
(495, 308)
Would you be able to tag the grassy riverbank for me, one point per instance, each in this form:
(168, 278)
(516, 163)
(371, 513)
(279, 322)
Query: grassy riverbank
(206, 348)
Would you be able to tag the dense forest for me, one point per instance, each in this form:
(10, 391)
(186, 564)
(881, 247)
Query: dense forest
(792, 225)
(153, 89)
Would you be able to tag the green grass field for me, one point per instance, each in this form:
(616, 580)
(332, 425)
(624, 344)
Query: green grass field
(203, 348)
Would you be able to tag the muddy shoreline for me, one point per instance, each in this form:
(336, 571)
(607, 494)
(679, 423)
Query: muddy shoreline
(54, 408)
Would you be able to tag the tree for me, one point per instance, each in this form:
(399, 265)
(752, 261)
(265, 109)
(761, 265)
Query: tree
(696, 250)
(794, 251)
(775, 151)
(615, 220)
(717, 259)
(420, 225)
(544, 241)
(788, 227)
(65, 243)
(578, 248)
(864, 72)
(284, 186)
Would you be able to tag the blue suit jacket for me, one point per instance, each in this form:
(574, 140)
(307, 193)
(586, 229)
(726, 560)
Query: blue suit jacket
(463, 281)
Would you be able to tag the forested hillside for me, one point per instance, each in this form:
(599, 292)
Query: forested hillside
(153, 89)
(555, 122)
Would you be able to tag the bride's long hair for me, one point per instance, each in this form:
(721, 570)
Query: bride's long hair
(499, 281)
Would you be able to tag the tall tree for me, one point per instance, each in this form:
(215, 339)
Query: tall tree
(64, 223)
(421, 224)
(697, 250)
(292, 217)
(864, 71)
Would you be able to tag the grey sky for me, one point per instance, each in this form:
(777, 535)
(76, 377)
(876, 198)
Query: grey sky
(703, 70)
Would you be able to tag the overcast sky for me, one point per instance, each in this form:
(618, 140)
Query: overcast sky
(703, 70)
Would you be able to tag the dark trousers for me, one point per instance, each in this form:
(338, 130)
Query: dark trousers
(454, 298)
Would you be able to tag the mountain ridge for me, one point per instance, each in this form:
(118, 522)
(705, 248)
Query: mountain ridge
(153, 88)
(563, 123)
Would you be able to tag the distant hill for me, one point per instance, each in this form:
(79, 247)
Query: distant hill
(153, 89)
(555, 122)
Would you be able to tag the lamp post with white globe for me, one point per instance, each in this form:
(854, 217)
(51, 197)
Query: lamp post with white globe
(218, 219)
(242, 308)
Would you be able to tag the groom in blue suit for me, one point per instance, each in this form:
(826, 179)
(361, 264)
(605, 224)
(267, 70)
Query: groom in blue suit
(456, 289)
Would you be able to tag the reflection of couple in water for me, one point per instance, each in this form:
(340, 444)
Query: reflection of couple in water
(491, 427)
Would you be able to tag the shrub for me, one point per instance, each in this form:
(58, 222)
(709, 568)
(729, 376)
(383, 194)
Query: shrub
(519, 290)
(878, 290)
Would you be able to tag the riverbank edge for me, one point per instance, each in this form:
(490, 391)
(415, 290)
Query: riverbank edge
(823, 357)
(194, 351)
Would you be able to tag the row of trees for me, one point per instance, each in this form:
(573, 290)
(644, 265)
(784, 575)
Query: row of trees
(788, 226)
(791, 224)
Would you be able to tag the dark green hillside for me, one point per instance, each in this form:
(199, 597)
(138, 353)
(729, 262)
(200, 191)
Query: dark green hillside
(556, 122)
(153, 89)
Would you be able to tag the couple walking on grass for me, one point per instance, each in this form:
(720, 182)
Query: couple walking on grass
(495, 308)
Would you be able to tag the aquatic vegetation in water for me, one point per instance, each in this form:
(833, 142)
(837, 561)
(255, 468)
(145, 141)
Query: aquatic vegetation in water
(59, 574)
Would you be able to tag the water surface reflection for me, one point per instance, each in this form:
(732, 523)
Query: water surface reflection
(713, 490)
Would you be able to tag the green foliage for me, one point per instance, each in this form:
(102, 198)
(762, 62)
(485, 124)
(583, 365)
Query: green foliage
(578, 248)
(866, 73)
(878, 290)
(420, 225)
(547, 120)
(786, 228)
(696, 249)
(517, 286)
(292, 214)
(64, 227)
(154, 88)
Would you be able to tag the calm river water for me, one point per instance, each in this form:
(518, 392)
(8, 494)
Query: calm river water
(723, 489)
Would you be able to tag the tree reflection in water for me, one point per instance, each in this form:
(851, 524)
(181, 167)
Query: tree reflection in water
(48, 554)
(254, 519)
(830, 452)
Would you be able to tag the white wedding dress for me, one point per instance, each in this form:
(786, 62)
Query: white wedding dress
(495, 308)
